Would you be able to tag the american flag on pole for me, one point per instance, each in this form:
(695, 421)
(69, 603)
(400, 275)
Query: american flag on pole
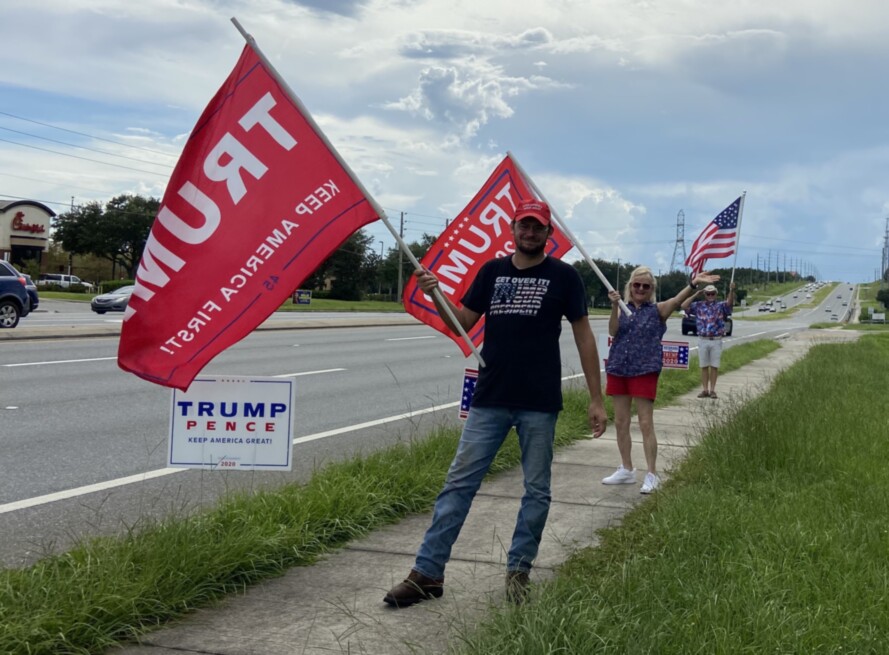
(719, 238)
(470, 377)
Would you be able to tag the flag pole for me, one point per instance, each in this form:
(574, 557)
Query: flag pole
(379, 210)
(738, 238)
(571, 237)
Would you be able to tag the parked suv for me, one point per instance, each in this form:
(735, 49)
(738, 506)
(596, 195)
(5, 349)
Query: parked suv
(63, 281)
(14, 300)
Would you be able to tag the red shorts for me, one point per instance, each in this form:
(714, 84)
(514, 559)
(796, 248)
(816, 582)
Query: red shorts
(638, 386)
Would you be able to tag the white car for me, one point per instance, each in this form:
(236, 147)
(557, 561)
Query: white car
(63, 281)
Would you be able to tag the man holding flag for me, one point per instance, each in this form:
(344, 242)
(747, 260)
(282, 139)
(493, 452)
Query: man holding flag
(718, 239)
(523, 298)
(710, 315)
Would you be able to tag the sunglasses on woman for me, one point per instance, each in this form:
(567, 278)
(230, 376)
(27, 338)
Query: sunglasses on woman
(644, 286)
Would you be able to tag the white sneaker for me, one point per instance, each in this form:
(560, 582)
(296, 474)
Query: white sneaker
(651, 483)
(621, 476)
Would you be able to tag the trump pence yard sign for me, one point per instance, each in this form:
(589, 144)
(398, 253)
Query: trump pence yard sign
(232, 422)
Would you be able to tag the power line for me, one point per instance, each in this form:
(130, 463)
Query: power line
(91, 136)
(95, 161)
(74, 145)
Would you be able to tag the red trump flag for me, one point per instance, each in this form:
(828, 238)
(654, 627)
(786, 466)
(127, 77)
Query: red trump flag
(256, 202)
(479, 233)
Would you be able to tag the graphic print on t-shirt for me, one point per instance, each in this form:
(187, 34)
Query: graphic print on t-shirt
(520, 296)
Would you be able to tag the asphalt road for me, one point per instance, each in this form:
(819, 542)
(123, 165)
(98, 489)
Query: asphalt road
(85, 444)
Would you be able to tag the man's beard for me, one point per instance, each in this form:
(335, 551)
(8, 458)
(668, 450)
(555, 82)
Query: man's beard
(531, 252)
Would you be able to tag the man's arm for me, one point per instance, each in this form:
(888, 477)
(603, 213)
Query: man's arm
(687, 294)
(467, 318)
(688, 301)
(730, 298)
(589, 362)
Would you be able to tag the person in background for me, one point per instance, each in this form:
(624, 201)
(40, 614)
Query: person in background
(634, 365)
(523, 298)
(710, 315)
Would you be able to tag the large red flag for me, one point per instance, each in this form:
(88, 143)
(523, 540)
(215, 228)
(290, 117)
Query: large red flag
(479, 233)
(257, 201)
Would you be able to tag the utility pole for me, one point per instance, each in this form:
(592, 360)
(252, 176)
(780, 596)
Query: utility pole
(680, 243)
(380, 272)
(70, 256)
(400, 258)
(885, 265)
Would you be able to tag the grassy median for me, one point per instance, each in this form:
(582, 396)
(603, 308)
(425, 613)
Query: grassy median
(109, 590)
(772, 537)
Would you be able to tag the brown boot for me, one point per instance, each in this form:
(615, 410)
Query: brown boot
(517, 586)
(416, 587)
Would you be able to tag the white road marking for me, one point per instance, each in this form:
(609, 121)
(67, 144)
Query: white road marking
(412, 338)
(61, 361)
(296, 375)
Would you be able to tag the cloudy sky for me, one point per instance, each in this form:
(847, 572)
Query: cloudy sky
(624, 112)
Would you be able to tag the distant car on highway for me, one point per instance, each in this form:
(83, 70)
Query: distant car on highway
(113, 301)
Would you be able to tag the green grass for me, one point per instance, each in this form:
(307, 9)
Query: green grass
(64, 295)
(108, 590)
(772, 537)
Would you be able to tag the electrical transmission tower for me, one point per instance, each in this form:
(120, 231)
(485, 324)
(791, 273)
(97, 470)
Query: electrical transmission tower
(680, 244)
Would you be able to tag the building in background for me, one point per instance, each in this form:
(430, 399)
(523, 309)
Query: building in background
(24, 230)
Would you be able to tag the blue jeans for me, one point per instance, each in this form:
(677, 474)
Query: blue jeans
(483, 434)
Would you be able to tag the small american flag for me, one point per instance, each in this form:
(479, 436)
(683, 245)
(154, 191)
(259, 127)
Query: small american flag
(675, 354)
(470, 377)
(719, 238)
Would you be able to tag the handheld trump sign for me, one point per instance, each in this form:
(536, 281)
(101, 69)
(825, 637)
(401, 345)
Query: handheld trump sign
(233, 423)
(674, 353)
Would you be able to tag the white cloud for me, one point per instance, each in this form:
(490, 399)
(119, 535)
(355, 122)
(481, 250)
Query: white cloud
(646, 108)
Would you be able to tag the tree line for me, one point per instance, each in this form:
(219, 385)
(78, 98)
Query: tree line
(117, 231)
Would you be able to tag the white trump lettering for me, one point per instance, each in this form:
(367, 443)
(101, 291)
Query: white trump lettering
(223, 164)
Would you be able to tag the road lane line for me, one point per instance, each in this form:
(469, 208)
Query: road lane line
(412, 338)
(61, 361)
(296, 375)
(82, 491)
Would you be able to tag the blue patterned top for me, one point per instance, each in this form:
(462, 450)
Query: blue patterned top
(636, 349)
(710, 317)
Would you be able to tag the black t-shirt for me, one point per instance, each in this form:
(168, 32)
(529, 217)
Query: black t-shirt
(523, 312)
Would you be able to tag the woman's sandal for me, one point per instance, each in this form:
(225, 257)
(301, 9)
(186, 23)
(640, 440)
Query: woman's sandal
(704, 394)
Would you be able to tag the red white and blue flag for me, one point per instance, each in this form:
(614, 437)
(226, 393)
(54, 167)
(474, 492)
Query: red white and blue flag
(470, 377)
(256, 202)
(675, 354)
(479, 233)
(719, 238)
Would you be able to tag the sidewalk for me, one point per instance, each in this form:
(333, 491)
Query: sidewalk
(336, 606)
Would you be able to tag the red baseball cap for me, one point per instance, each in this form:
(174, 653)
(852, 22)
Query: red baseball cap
(533, 208)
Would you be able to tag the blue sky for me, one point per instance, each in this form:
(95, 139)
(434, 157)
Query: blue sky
(623, 112)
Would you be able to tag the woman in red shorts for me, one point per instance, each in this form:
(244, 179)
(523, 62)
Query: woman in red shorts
(634, 364)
